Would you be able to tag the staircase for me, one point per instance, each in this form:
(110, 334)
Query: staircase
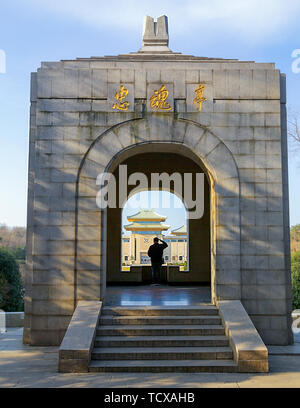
(161, 339)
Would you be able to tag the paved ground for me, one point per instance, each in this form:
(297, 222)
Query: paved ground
(24, 366)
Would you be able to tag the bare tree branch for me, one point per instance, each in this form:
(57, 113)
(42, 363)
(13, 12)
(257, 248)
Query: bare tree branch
(293, 125)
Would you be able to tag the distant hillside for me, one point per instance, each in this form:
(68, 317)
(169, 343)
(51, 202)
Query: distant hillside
(13, 238)
(295, 238)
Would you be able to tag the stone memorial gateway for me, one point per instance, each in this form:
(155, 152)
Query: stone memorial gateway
(150, 109)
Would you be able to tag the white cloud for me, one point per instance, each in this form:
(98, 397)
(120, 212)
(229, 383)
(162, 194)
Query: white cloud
(253, 20)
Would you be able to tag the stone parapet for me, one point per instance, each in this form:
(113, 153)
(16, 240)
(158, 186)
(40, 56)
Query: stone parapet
(250, 352)
(75, 349)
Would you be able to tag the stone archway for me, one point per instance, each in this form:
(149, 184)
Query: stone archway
(180, 136)
(150, 158)
(141, 198)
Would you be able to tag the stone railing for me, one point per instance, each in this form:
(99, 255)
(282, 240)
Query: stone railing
(143, 273)
(76, 347)
(250, 352)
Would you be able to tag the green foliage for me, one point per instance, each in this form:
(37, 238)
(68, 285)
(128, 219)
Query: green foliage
(11, 286)
(4, 288)
(19, 252)
(13, 238)
(296, 279)
(295, 238)
(295, 230)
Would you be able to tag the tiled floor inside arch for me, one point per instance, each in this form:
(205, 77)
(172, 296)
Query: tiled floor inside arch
(161, 295)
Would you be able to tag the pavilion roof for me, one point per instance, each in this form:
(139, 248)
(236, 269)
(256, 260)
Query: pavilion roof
(146, 215)
(135, 226)
(180, 231)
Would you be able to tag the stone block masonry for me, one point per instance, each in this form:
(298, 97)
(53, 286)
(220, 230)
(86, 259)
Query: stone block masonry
(238, 136)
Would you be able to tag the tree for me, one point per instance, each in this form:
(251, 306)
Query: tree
(11, 286)
(19, 253)
(296, 279)
(295, 238)
(294, 129)
(14, 238)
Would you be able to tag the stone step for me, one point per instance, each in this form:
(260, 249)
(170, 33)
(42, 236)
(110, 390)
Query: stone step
(160, 330)
(161, 341)
(203, 309)
(164, 353)
(155, 320)
(160, 366)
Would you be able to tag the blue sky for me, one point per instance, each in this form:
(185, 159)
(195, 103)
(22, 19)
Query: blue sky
(168, 204)
(32, 31)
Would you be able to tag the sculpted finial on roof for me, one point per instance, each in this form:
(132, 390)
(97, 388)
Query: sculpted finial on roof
(155, 35)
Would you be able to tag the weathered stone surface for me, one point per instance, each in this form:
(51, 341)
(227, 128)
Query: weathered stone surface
(99, 83)
(193, 136)
(75, 349)
(250, 353)
(14, 319)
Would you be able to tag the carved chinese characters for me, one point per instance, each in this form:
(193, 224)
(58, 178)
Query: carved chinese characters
(199, 98)
(120, 96)
(160, 98)
(159, 101)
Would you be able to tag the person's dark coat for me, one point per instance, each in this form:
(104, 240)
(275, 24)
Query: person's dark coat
(155, 252)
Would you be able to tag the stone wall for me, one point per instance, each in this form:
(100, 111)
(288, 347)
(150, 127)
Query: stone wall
(239, 136)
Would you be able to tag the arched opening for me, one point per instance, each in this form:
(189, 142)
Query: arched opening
(149, 214)
(156, 158)
(98, 232)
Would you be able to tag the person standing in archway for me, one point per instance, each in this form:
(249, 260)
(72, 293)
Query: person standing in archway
(155, 252)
